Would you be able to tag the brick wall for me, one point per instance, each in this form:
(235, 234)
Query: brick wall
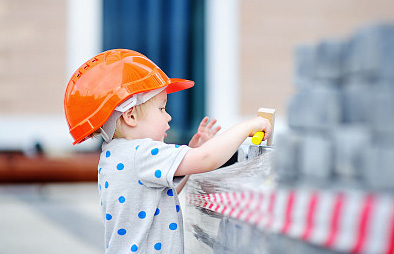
(32, 56)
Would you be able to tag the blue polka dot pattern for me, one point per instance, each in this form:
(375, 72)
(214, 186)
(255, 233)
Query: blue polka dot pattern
(154, 151)
(170, 192)
(120, 166)
(177, 146)
(106, 184)
(107, 154)
(157, 246)
(136, 148)
(122, 231)
(140, 182)
(173, 226)
(134, 248)
(158, 173)
(99, 170)
(122, 199)
(100, 186)
(157, 211)
(142, 215)
(108, 216)
(178, 208)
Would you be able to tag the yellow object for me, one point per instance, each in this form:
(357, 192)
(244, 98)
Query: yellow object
(258, 137)
(268, 114)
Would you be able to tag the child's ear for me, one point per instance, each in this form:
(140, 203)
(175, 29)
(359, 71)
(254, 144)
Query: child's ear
(130, 118)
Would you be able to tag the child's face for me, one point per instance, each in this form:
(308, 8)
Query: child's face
(155, 122)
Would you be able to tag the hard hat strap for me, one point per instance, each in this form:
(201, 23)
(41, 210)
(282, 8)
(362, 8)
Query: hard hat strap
(108, 129)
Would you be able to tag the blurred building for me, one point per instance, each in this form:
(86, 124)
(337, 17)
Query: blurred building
(240, 53)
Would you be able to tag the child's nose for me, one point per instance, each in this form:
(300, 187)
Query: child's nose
(169, 118)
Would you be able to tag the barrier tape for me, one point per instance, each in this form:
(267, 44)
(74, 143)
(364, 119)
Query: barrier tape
(355, 222)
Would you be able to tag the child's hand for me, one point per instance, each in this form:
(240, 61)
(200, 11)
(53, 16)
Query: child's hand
(204, 133)
(260, 124)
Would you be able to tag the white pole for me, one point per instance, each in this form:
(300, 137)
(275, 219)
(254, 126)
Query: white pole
(84, 32)
(222, 91)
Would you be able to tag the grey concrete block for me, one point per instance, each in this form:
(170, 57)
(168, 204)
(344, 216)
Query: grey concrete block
(314, 249)
(329, 60)
(370, 104)
(382, 109)
(371, 52)
(255, 151)
(379, 173)
(317, 108)
(356, 102)
(382, 138)
(319, 65)
(286, 159)
(305, 56)
(235, 236)
(351, 143)
(280, 244)
(316, 158)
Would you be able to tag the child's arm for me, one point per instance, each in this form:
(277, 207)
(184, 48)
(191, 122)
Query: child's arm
(204, 133)
(216, 151)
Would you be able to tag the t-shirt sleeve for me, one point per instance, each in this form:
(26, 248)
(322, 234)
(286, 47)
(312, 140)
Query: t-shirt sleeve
(157, 162)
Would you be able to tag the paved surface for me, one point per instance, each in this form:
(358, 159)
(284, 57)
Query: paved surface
(50, 218)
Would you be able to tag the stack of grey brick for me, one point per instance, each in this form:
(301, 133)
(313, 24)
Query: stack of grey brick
(341, 133)
(341, 118)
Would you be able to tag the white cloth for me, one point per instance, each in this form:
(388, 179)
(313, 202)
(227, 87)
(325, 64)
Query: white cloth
(108, 129)
(139, 203)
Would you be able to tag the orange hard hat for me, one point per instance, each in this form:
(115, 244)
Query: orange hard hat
(104, 82)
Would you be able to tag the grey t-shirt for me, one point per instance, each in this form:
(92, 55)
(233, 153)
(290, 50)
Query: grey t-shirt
(139, 203)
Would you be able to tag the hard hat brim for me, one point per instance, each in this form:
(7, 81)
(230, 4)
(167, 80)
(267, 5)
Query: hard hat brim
(177, 84)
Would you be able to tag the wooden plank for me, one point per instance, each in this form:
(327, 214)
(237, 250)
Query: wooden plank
(268, 114)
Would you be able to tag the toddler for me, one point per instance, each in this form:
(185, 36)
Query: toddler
(122, 95)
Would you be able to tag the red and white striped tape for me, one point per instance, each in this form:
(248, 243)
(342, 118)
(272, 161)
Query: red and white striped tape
(355, 222)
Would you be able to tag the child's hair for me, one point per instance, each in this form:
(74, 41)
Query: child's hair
(140, 112)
